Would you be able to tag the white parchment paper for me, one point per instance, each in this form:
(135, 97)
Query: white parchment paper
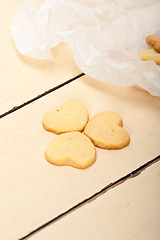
(105, 36)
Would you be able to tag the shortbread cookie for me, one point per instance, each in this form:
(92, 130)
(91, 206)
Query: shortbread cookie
(154, 41)
(150, 54)
(72, 149)
(105, 130)
(72, 116)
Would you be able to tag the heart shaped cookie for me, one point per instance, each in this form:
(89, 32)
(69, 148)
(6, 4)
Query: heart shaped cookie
(72, 116)
(105, 130)
(154, 41)
(72, 149)
(150, 54)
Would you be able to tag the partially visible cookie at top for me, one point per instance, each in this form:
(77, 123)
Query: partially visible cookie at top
(71, 149)
(72, 116)
(106, 131)
(154, 41)
(151, 54)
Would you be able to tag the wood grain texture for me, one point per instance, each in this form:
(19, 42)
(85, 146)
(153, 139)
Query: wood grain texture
(23, 78)
(129, 211)
(33, 191)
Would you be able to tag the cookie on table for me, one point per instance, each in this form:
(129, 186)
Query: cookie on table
(72, 116)
(105, 130)
(151, 54)
(72, 149)
(154, 41)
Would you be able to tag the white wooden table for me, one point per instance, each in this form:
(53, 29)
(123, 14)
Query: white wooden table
(117, 197)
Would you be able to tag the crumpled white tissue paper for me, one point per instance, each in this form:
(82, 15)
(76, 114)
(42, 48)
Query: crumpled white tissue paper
(106, 37)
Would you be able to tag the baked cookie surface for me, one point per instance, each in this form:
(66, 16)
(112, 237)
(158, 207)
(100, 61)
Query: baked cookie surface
(105, 130)
(154, 41)
(72, 116)
(150, 54)
(72, 149)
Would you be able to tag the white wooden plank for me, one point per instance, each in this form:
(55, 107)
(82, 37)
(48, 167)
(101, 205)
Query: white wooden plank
(22, 78)
(129, 211)
(34, 191)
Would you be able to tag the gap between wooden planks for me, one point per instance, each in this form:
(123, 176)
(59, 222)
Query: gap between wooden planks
(130, 211)
(15, 108)
(133, 174)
